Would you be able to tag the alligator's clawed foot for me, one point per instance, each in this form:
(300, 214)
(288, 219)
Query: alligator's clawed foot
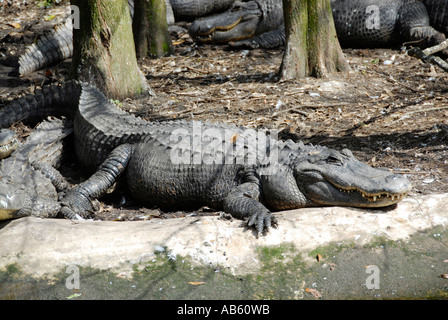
(262, 221)
(76, 206)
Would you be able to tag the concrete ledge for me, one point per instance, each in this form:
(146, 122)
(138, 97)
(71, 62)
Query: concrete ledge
(41, 247)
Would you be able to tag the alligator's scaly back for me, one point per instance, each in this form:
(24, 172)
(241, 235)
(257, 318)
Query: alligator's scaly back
(191, 9)
(100, 127)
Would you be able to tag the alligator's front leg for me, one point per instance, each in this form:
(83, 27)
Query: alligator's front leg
(77, 203)
(242, 203)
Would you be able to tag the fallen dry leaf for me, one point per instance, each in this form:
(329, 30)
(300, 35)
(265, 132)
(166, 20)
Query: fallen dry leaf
(316, 294)
(196, 283)
(15, 25)
(234, 137)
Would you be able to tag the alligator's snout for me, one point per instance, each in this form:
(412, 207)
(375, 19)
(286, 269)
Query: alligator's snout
(239, 22)
(8, 142)
(333, 178)
(11, 201)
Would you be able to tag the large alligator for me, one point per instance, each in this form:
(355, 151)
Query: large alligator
(183, 164)
(29, 182)
(362, 23)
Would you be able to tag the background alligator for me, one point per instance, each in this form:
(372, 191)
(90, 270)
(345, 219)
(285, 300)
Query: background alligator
(396, 21)
(189, 164)
(259, 24)
(29, 183)
(57, 44)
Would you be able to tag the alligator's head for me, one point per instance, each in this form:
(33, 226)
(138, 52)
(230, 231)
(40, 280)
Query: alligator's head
(12, 200)
(329, 177)
(238, 23)
(8, 142)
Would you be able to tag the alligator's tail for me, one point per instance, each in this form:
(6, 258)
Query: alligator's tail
(52, 100)
(54, 46)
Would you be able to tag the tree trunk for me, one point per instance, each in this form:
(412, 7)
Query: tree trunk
(150, 28)
(312, 46)
(104, 51)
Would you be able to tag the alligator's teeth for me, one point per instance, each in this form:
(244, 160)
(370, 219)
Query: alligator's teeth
(374, 198)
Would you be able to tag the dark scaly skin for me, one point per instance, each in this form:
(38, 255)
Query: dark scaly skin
(257, 24)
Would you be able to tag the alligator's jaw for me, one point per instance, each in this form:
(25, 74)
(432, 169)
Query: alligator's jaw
(324, 193)
(333, 178)
(11, 201)
(8, 142)
(238, 23)
(358, 198)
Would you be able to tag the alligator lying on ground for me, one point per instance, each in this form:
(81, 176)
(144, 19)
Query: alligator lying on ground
(362, 23)
(29, 183)
(183, 164)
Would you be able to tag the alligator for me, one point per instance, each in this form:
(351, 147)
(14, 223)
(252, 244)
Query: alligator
(56, 45)
(259, 23)
(184, 164)
(29, 181)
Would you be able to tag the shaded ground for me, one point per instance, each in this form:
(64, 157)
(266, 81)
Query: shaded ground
(391, 110)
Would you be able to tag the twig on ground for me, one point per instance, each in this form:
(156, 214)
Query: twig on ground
(417, 52)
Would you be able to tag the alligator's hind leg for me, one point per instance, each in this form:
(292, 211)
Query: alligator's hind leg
(414, 25)
(242, 203)
(77, 203)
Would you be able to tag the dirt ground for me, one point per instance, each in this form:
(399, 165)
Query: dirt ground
(390, 109)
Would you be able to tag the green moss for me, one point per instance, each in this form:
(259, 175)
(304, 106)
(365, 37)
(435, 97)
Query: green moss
(12, 269)
(330, 249)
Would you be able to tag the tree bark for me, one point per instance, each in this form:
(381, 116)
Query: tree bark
(104, 51)
(150, 28)
(312, 47)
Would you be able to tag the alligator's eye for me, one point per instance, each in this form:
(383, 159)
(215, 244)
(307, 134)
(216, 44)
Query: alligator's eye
(347, 152)
(334, 159)
(236, 7)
